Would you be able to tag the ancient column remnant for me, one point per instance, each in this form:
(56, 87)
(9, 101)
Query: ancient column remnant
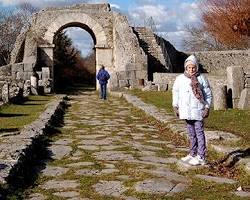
(34, 83)
(26, 88)
(220, 97)
(235, 82)
(244, 102)
(5, 92)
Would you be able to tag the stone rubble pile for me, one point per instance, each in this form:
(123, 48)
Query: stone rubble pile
(14, 90)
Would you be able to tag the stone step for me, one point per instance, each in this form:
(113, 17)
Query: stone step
(149, 44)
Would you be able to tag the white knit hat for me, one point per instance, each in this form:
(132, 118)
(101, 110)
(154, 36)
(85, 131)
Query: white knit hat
(191, 60)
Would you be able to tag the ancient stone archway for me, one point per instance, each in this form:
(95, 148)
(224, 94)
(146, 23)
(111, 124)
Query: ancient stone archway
(84, 21)
(83, 16)
(116, 45)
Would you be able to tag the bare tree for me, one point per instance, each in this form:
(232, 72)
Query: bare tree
(12, 22)
(199, 39)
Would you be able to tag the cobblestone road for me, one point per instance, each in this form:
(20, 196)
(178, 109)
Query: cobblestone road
(107, 151)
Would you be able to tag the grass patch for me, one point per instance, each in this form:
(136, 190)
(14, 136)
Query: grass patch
(14, 116)
(232, 120)
(207, 191)
(159, 99)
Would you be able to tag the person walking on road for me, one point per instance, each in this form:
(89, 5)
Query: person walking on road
(192, 99)
(103, 77)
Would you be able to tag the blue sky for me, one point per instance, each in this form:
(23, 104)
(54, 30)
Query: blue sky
(170, 16)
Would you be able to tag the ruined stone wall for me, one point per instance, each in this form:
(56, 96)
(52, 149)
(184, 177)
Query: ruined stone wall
(18, 50)
(5, 71)
(129, 59)
(238, 79)
(117, 48)
(16, 148)
(169, 78)
(216, 62)
(173, 57)
(12, 82)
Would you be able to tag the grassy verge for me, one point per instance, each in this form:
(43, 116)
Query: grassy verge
(14, 116)
(232, 120)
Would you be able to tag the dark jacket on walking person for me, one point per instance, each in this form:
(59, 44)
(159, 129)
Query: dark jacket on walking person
(103, 77)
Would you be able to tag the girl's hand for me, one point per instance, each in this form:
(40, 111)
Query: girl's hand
(205, 113)
(176, 111)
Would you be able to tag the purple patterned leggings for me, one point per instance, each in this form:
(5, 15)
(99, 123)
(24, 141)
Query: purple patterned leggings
(197, 138)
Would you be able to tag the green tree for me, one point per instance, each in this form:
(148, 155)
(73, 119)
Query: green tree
(64, 60)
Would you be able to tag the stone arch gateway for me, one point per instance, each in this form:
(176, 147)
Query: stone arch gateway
(116, 45)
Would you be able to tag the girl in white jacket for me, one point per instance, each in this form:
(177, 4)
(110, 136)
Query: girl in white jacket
(192, 99)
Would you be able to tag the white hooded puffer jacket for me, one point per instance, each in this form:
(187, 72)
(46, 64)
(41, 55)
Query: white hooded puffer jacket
(189, 106)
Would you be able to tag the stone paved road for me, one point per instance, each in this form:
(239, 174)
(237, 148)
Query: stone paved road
(105, 151)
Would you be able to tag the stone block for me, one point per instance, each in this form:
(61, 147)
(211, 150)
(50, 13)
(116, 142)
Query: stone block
(45, 73)
(47, 83)
(20, 76)
(120, 75)
(123, 83)
(130, 67)
(1, 86)
(130, 75)
(150, 88)
(104, 56)
(5, 70)
(17, 67)
(5, 93)
(40, 83)
(14, 90)
(162, 87)
(28, 67)
(34, 81)
(140, 74)
(244, 102)
(220, 97)
(219, 180)
(112, 84)
(133, 83)
(235, 81)
(27, 75)
(26, 88)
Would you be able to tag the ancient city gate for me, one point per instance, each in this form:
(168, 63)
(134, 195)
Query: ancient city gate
(116, 45)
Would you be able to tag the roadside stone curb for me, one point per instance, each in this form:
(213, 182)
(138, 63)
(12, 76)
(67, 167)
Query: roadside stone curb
(177, 126)
(15, 148)
(216, 179)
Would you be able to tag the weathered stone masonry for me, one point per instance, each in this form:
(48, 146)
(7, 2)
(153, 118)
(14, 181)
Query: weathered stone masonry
(131, 54)
(17, 148)
(116, 46)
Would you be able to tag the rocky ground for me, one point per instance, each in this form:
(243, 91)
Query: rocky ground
(107, 151)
